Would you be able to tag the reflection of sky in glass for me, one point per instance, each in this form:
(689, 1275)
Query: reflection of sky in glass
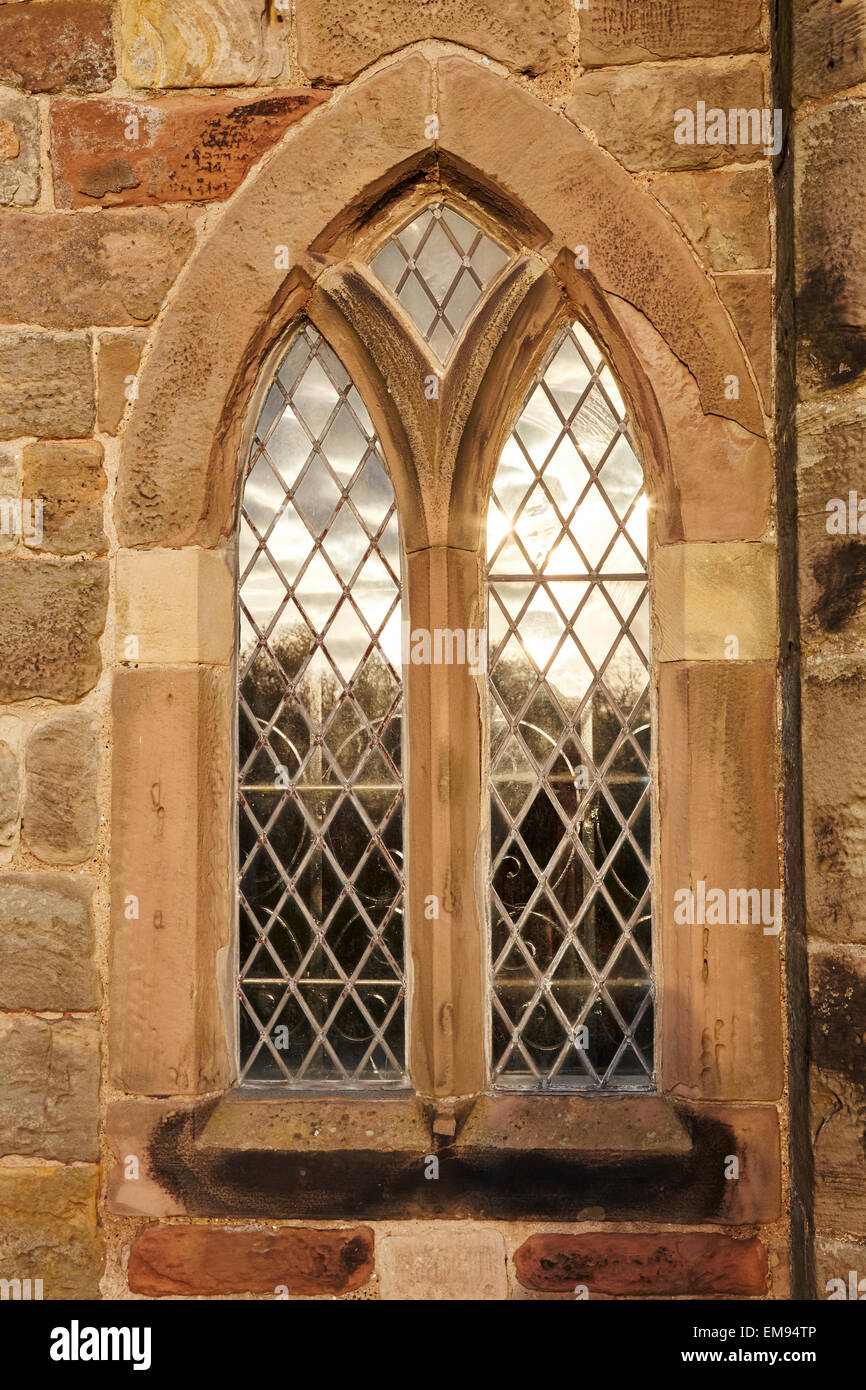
(318, 508)
(319, 738)
(568, 631)
(568, 505)
(438, 267)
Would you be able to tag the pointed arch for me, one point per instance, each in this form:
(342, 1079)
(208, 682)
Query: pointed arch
(523, 163)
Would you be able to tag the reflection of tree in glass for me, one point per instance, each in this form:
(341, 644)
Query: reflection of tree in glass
(308, 699)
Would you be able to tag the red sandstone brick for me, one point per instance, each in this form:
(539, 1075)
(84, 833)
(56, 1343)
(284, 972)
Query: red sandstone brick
(213, 1260)
(65, 45)
(176, 149)
(680, 1262)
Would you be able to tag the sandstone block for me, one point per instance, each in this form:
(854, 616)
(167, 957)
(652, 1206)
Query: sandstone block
(337, 38)
(9, 795)
(749, 300)
(202, 1260)
(831, 443)
(838, 987)
(70, 481)
(49, 1087)
(725, 213)
(114, 269)
(723, 472)
(10, 490)
(442, 1265)
(49, 1229)
(171, 890)
(698, 1264)
(715, 602)
(183, 149)
(51, 616)
(61, 815)
(63, 46)
(836, 1260)
(175, 605)
(619, 31)
(46, 385)
(830, 246)
(834, 787)
(197, 43)
(839, 1127)
(716, 747)
(632, 111)
(46, 943)
(830, 47)
(19, 150)
(116, 370)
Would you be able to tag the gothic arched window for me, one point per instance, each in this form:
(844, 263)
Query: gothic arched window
(329, 634)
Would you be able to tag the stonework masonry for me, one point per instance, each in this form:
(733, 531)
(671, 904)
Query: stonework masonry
(146, 147)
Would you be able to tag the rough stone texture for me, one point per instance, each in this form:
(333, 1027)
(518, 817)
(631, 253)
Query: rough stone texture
(19, 150)
(130, 1126)
(49, 1087)
(197, 43)
(830, 253)
(721, 1029)
(705, 594)
(70, 480)
(698, 1264)
(835, 1259)
(288, 205)
(185, 150)
(61, 815)
(830, 47)
(723, 472)
(631, 111)
(442, 1265)
(51, 615)
(177, 604)
(725, 213)
(839, 1129)
(838, 984)
(337, 38)
(46, 385)
(170, 818)
(620, 31)
(46, 943)
(200, 1260)
(831, 446)
(49, 1229)
(115, 268)
(178, 472)
(530, 154)
(63, 46)
(749, 300)
(9, 795)
(834, 790)
(117, 361)
(10, 491)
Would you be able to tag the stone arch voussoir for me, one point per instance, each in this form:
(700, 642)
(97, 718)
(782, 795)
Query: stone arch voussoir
(178, 467)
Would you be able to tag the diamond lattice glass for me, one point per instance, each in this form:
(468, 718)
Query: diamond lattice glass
(570, 802)
(320, 788)
(438, 266)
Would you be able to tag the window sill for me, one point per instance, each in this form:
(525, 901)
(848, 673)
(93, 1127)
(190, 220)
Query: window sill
(514, 1157)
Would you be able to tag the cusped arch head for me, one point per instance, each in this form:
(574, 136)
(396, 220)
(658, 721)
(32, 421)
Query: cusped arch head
(654, 309)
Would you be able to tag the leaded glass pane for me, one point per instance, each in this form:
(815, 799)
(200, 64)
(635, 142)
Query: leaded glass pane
(320, 788)
(569, 722)
(438, 266)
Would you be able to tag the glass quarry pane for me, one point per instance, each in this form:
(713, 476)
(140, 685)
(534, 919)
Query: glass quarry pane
(321, 979)
(438, 266)
(569, 730)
